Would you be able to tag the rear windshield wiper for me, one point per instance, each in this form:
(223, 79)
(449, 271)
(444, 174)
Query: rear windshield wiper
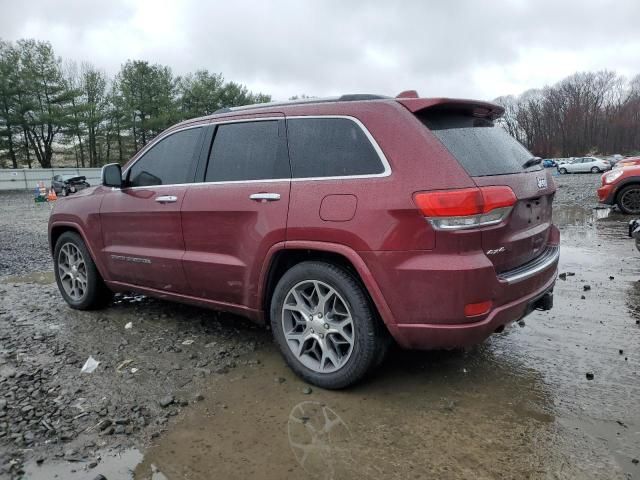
(531, 162)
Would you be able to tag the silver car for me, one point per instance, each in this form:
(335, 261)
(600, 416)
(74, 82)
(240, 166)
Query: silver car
(585, 164)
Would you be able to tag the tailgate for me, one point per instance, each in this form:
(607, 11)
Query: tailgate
(492, 157)
(524, 235)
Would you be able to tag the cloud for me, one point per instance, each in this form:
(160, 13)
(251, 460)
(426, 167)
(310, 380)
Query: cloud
(464, 48)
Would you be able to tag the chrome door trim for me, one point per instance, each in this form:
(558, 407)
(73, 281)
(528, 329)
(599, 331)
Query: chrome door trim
(385, 173)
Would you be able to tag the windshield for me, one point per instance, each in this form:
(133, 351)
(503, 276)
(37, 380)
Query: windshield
(481, 147)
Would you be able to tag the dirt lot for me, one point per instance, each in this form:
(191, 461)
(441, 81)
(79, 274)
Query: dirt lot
(188, 393)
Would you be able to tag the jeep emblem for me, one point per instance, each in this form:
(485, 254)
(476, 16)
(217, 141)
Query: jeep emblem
(542, 182)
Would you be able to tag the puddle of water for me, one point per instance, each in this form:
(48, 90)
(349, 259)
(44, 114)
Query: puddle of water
(112, 465)
(425, 415)
(42, 278)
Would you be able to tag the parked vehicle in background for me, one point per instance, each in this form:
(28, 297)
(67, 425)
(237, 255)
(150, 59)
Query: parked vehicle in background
(628, 162)
(549, 163)
(621, 187)
(584, 165)
(341, 223)
(634, 231)
(67, 184)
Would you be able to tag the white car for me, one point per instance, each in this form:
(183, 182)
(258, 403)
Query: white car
(585, 164)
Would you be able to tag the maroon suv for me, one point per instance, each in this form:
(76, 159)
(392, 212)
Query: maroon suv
(341, 223)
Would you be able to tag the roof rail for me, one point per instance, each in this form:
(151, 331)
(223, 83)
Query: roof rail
(353, 97)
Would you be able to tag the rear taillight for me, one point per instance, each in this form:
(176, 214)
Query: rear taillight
(467, 207)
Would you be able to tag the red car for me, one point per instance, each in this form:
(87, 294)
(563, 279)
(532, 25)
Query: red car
(341, 223)
(621, 186)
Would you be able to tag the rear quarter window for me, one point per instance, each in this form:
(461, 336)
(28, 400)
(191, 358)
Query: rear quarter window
(480, 146)
(330, 147)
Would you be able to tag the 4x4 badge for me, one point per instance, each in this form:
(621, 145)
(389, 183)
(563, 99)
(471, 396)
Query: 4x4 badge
(542, 182)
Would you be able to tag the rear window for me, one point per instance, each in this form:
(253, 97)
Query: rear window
(248, 151)
(480, 146)
(330, 147)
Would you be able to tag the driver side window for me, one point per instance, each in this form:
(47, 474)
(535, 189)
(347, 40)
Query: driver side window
(170, 161)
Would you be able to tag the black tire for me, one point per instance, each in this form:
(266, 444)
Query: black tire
(595, 170)
(625, 201)
(563, 171)
(370, 337)
(96, 295)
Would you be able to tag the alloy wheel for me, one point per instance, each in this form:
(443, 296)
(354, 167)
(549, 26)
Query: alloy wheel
(72, 271)
(318, 326)
(630, 200)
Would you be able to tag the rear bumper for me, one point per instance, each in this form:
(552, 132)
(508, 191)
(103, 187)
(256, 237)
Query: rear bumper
(434, 336)
(606, 194)
(426, 293)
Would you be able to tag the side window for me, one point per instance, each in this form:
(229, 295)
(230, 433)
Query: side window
(330, 147)
(248, 151)
(170, 161)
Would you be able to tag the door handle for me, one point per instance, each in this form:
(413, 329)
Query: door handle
(166, 199)
(265, 197)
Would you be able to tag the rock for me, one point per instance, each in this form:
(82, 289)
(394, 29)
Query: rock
(635, 461)
(582, 297)
(28, 437)
(164, 402)
(199, 397)
(521, 323)
(121, 421)
(108, 431)
(307, 390)
(590, 376)
(586, 287)
(611, 277)
(119, 430)
(104, 424)
(100, 477)
(92, 464)
(620, 351)
(570, 274)
(562, 276)
(279, 379)
(3, 404)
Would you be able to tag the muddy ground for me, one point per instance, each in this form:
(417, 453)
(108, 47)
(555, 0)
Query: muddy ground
(188, 393)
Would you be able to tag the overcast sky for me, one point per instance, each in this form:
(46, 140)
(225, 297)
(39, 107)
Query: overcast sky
(475, 48)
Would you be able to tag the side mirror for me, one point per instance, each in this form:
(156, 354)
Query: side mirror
(112, 175)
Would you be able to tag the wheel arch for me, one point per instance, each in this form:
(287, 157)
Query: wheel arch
(58, 228)
(631, 182)
(287, 255)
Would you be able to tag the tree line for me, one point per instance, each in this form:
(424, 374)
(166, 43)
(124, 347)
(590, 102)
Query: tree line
(63, 112)
(586, 113)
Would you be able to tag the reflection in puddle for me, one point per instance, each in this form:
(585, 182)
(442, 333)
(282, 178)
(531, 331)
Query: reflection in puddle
(319, 439)
(585, 226)
(113, 465)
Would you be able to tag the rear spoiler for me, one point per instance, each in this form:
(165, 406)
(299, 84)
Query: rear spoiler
(476, 108)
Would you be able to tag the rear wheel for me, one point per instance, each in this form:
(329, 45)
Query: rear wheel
(325, 326)
(595, 170)
(563, 171)
(629, 200)
(76, 274)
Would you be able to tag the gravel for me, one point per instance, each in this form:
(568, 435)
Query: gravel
(47, 407)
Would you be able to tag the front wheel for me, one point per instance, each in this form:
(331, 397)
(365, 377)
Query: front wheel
(595, 170)
(563, 171)
(325, 326)
(76, 274)
(629, 200)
